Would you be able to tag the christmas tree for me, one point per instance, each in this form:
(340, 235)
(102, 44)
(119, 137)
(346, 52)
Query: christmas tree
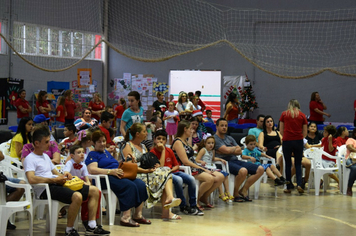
(248, 100)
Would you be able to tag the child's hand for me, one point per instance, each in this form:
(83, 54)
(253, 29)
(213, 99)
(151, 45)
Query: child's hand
(223, 161)
(203, 163)
(160, 147)
(269, 157)
(252, 159)
(330, 137)
(112, 148)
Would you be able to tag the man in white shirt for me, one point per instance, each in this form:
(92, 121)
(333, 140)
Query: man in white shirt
(40, 169)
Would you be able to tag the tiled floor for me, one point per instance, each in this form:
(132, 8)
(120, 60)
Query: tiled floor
(328, 214)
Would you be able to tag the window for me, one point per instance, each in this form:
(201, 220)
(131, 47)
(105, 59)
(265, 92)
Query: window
(44, 41)
(2, 42)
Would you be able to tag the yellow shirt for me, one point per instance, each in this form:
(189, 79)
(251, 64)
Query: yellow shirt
(16, 138)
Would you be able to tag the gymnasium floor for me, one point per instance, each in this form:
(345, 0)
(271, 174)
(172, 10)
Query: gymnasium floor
(329, 213)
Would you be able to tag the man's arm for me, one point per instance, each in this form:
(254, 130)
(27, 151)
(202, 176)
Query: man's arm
(33, 179)
(235, 150)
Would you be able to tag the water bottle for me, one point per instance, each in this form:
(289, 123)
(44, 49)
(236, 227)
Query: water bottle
(2, 189)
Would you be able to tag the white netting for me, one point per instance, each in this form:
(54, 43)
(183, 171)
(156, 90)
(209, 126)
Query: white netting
(289, 44)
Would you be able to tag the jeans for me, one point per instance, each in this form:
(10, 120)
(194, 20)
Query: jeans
(118, 122)
(178, 179)
(234, 121)
(352, 177)
(296, 147)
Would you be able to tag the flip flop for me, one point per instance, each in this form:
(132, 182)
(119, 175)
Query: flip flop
(174, 217)
(175, 202)
(246, 199)
(143, 220)
(239, 199)
(131, 223)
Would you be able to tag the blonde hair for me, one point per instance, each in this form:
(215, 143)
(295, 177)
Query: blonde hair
(293, 108)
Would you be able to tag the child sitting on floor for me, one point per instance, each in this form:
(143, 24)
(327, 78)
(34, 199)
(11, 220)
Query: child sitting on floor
(252, 154)
(206, 156)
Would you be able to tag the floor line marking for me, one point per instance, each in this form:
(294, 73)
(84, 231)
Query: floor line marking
(334, 219)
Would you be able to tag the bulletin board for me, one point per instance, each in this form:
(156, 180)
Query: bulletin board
(84, 77)
(145, 84)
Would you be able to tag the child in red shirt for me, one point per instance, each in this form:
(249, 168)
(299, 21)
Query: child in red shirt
(342, 136)
(329, 145)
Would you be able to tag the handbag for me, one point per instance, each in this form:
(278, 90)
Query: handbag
(351, 160)
(74, 184)
(148, 160)
(129, 169)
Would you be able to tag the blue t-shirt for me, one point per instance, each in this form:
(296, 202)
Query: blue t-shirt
(131, 117)
(255, 132)
(104, 160)
(254, 153)
(210, 120)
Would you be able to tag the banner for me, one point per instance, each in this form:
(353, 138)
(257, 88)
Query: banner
(232, 84)
(13, 88)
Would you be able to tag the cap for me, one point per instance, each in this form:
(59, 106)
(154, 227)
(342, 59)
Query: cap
(197, 113)
(40, 118)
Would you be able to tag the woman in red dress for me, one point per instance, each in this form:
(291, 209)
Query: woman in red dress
(23, 106)
(96, 106)
(317, 107)
(42, 105)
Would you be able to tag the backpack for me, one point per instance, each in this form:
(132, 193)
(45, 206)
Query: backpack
(148, 160)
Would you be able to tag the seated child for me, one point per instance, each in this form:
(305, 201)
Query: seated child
(179, 177)
(208, 117)
(76, 167)
(84, 141)
(252, 154)
(69, 133)
(205, 157)
(329, 145)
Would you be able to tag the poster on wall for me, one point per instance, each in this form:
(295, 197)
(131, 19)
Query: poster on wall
(232, 84)
(84, 77)
(13, 87)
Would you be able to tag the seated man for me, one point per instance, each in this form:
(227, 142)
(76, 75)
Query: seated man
(257, 130)
(13, 194)
(227, 149)
(39, 169)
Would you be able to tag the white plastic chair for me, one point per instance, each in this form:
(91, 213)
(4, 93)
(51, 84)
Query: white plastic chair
(12, 207)
(345, 172)
(319, 171)
(242, 141)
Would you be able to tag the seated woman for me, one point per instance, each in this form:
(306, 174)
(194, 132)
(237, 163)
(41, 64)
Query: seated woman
(351, 148)
(131, 193)
(209, 180)
(313, 138)
(158, 179)
(270, 140)
(197, 135)
(53, 152)
(22, 136)
(86, 121)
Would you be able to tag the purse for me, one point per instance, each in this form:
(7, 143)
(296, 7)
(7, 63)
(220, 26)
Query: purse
(74, 184)
(148, 160)
(351, 160)
(129, 169)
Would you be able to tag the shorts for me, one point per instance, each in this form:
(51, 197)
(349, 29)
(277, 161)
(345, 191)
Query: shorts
(64, 194)
(265, 166)
(328, 164)
(236, 165)
(11, 189)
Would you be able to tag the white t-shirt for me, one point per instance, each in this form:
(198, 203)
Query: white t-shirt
(168, 113)
(82, 172)
(187, 106)
(42, 166)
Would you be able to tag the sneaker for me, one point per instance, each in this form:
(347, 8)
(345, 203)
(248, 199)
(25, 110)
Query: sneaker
(283, 179)
(278, 182)
(189, 210)
(73, 232)
(98, 230)
(199, 212)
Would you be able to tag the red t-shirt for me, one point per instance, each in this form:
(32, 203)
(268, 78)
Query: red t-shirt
(96, 107)
(170, 158)
(107, 135)
(313, 115)
(25, 104)
(119, 110)
(69, 142)
(44, 104)
(341, 141)
(325, 145)
(70, 108)
(62, 115)
(234, 113)
(293, 127)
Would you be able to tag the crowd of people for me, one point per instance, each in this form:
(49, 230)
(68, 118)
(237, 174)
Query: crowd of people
(90, 149)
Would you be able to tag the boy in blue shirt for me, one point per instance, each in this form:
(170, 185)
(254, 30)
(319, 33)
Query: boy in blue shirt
(252, 154)
(208, 116)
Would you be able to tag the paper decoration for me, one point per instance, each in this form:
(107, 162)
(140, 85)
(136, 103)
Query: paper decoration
(160, 87)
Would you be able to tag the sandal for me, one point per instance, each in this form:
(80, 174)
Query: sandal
(208, 205)
(223, 197)
(143, 221)
(201, 208)
(174, 217)
(229, 196)
(131, 223)
(245, 198)
(175, 202)
(238, 199)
